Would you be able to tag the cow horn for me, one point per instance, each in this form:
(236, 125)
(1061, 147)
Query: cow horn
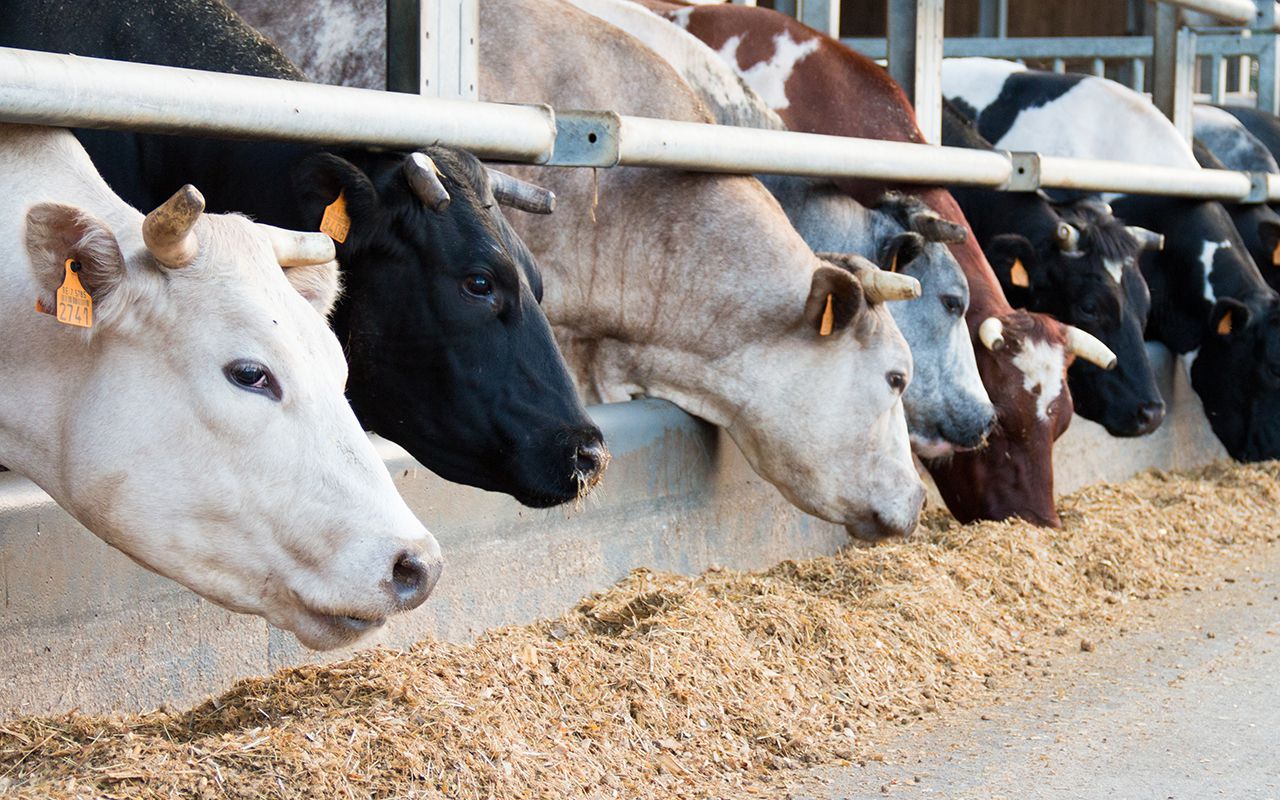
(1147, 239)
(424, 180)
(521, 195)
(168, 231)
(879, 286)
(299, 248)
(1067, 237)
(991, 334)
(1090, 348)
(933, 228)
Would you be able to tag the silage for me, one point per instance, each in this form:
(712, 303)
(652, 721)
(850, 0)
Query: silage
(670, 686)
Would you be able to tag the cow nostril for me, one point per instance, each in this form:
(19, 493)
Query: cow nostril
(589, 460)
(1150, 414)
(413, 580)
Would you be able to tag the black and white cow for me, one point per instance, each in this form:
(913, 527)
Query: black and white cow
(1081, 269)
(1223, 142)
(1208, 298)
(450, 354)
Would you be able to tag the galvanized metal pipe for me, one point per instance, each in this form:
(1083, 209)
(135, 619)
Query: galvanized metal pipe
(1240, 12)
(1123, 177)
(72, 91)
(646, 142)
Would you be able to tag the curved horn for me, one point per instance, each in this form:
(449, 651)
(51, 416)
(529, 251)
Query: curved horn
(299, 248)
(516, 193)
(424, 180)
(1147, 239)
(168, 230)
(1067, 237)
(991, 334)
(934, 228)
(1090, 348)
(879, 286)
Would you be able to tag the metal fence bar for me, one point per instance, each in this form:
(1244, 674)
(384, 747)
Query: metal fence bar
(823, 15)
(1240, 12)
(915, 58)
(1073, 47)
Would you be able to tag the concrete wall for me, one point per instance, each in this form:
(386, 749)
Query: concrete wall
(86, 628)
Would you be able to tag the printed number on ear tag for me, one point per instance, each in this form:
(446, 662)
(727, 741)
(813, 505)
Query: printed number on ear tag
(75, 306)
(828, 320)
(335, 223)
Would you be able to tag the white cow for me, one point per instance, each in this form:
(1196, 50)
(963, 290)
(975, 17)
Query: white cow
(199, 423)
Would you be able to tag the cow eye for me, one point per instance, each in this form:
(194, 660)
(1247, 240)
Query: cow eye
(478, 284)
(253, 377)
(897, 381)
(953, 303)
(1088, 309)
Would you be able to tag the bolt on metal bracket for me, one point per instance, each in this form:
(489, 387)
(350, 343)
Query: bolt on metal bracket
(1259, 188)
(586, 139)
(1025, 175)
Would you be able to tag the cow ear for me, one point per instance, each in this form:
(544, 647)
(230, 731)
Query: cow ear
(1269, 233)
(899, 251)
(56, 233)
(319, 180)
(319, 284)
(1015, 264)
(1228, 316)
(835, 299)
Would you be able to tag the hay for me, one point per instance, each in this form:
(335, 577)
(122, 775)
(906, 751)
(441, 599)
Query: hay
(668, 686)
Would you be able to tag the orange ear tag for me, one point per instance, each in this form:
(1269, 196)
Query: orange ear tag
(335, 223)
(828, 320)
(894, 266)
(1275, 256)
(1224, 324)
(75, 306)
(1018, 274)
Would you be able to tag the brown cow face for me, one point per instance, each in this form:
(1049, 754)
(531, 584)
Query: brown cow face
(1013, 475)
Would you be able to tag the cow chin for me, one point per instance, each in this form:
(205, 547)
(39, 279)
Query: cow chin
(929, 448)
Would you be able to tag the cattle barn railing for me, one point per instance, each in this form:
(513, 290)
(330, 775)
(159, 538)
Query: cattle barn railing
(72, 91)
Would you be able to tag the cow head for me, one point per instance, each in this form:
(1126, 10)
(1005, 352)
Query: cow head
(946, 405)
(1082, 269)
(838, 447)
(451, 356)
(1022, 359)
(1236, 373)
(200, 426)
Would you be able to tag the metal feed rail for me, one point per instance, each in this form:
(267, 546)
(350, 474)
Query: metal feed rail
(50, 89)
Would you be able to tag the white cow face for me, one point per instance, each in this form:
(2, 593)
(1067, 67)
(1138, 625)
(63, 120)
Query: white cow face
(204, 432)
(822, 416)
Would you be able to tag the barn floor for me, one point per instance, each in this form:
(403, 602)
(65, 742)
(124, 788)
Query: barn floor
(1184, 704)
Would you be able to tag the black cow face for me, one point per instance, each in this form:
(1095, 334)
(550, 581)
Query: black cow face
(450, 355)
(1086, 275)
(1237, 375)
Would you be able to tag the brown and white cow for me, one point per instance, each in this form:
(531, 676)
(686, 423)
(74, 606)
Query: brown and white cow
(194, 417)
(817, 85)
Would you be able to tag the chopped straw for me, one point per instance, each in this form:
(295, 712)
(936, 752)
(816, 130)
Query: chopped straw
(669, 686)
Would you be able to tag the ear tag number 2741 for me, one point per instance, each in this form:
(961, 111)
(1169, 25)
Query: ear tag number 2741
(75, 306)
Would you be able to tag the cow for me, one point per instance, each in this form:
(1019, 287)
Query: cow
(1222, 142)
(1262, 125)
(946, 405)
(1081, 267)
(183, 400)
(450, 354)
(819, 86)
(1209, 300)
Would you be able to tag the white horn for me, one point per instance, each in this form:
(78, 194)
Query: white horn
(168, 230)
(424, 180)
(879, 286)
(1067, 237)
(1147, 239)
(513, 192)
(1090, 348)
(991, 334)
(299, 248)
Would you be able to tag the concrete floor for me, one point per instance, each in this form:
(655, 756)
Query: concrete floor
(1184, 705)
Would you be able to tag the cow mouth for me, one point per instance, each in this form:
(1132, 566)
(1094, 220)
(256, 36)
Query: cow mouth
(930, 448)
(342, 626)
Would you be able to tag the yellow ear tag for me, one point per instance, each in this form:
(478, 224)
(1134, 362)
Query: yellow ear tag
(1275, 256)
(828, 320)
(1018, 274)
(336, 224)
(1224, 324)
(894, 266)
(75, 306)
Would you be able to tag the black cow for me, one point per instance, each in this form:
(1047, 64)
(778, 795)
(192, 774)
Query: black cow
(1083, 271)
(449, 352)
(1263, 125)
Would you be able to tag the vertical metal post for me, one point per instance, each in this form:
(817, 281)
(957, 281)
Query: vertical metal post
(787, 7)
(824, 15)
(433, 47)
(915, 59)
(993, 18)
(1173, 65)
(1268, 62)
